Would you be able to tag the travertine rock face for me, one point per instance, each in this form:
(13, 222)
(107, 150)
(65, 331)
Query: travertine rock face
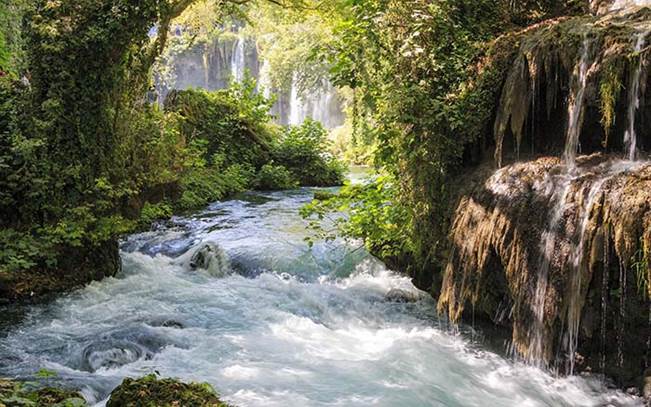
(558, 257)
(555, 244)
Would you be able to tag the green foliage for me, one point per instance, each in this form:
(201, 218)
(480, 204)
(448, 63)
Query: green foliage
(275, 177)
(11, 41)
(202, 186)
(15, 394)
(150, 391)
(610, 88)
(233, 123)
(370, 212)
(302, 150)
(153, 212)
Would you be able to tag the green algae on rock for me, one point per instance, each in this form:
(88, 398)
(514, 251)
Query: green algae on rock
(15, 394)
(150, 391)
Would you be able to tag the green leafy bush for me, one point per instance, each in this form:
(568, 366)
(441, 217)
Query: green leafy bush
(369, 212)
(303, 151)
(232, 123)
(275, 177)
(153, 212)
(202, 186)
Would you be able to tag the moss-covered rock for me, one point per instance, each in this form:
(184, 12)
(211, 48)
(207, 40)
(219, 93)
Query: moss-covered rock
(15, 394)
(150, 391)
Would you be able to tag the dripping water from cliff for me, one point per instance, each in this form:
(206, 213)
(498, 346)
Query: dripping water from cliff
(576, 105)
(630, 137)
(555, 234)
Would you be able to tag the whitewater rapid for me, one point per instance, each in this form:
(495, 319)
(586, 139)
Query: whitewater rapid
(287, 325)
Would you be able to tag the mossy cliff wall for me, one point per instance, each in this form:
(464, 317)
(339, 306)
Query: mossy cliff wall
(554, 244)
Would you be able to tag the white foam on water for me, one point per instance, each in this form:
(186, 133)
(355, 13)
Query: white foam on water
(302, 334)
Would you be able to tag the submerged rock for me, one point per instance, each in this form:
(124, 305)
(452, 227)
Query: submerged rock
(151, 391)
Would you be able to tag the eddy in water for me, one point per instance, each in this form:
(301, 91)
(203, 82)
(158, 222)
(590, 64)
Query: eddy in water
(234, 296)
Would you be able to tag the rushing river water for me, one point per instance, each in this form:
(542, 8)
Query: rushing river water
(270, 322)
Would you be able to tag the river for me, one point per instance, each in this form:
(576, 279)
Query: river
(271, 322)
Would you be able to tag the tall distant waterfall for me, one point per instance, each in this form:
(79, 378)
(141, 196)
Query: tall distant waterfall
(238, 60)
(211, 66)
(316, 104)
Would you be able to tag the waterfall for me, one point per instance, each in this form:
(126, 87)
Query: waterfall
(576, 104)
(296, 116)
(576, 263)
(316, 104)
(538, 349)
(238, 60)
(630, 137)
(264, 83)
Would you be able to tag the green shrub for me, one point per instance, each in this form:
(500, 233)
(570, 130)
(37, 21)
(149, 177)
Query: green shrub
(370, 212)
(275, 177)
(153, 212)
(202, 186)
(232, 123)
(303, 151)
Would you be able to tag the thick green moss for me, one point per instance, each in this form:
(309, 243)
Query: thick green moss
(14, 394)
(150, 391)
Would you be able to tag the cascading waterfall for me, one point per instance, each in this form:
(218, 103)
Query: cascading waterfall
(314, 104)
(537, 353)
(592, 191)
(296, 116)
(238, 62)
(558, 188)
(576, 104)
(264, 82)
(630, 137)
(554, 239)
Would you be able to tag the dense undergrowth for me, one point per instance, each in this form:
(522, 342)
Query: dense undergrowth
(86, 158)
(426, 77)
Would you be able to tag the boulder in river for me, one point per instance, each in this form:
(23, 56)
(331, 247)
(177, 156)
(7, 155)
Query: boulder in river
(211, 258)
(151, 391)
(402, 296)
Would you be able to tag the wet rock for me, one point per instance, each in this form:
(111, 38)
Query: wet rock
(401, 296)
(588, 295)
(151, 391)
(167, 323)
(211, 258)
(646, 385)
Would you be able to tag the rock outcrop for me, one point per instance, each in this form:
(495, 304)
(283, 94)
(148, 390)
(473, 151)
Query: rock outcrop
(151, 391)
(555, 244)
